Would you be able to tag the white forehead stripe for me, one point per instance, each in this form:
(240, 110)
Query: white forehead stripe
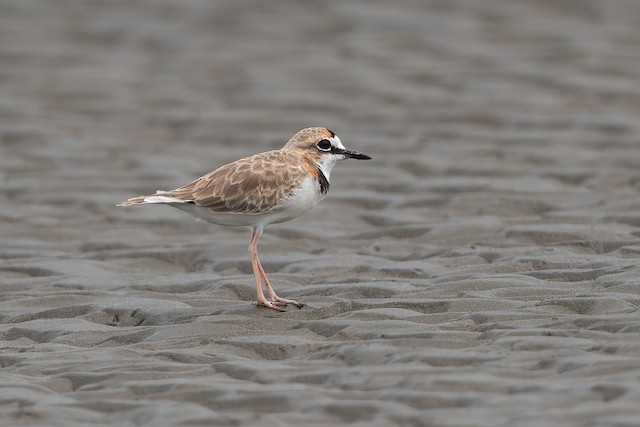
(337, 142)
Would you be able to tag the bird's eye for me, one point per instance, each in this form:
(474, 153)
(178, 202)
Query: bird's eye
(324, 145)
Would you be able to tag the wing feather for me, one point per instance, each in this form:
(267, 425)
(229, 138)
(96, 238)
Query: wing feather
(255, 184)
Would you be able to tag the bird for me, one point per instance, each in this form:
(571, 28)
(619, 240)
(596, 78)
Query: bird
(266, 188)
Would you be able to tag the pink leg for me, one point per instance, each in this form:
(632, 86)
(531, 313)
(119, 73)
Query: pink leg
(272, 294)
(258, 272)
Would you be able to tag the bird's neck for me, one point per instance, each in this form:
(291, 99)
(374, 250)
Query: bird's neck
(323, 180)
(320, 169)
(325, 165)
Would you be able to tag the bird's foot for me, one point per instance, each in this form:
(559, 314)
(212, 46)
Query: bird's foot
(283, 301)
(269, 304)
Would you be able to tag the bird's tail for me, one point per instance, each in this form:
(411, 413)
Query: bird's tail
(159, 197)
(133, 201)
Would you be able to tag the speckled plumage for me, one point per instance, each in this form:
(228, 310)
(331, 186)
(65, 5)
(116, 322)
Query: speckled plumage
(265, 188)
(255, 184)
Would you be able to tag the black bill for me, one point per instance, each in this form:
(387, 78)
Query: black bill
(349, 154)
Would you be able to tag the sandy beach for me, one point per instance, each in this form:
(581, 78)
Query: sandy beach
(482, 270)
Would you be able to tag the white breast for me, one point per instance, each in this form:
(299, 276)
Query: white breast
(303, 198)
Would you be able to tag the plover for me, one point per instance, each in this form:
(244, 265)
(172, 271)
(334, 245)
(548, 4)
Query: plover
(266, 188)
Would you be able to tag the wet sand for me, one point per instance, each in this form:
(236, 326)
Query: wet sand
(482, 270)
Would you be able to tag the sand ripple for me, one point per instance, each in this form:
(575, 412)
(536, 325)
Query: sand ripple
(480, 271)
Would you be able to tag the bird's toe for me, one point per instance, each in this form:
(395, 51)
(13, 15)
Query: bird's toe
(268, 304)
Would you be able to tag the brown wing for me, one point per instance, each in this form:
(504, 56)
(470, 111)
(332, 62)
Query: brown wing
(250, 185)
